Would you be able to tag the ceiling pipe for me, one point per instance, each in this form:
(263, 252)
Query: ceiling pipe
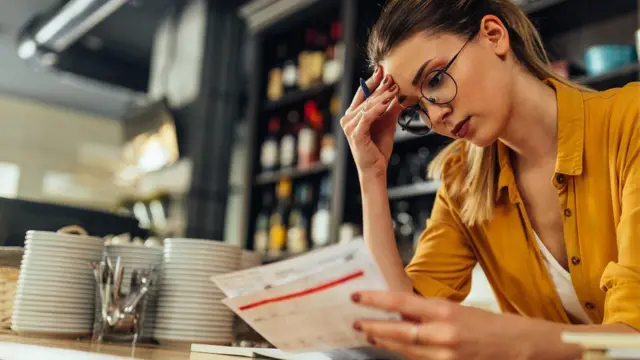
(59, 31)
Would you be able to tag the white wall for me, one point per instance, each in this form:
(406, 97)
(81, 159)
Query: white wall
(43, 139)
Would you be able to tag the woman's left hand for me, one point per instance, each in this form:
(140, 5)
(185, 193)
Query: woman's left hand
(441, 329)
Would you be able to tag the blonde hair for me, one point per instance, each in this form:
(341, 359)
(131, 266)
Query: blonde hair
(401, 19)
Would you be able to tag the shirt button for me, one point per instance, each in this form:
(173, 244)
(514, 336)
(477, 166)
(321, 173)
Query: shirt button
(567, 212)
(575, 261)
(589, 306)
(560, 179)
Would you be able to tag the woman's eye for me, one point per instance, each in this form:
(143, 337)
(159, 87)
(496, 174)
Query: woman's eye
(435, 79)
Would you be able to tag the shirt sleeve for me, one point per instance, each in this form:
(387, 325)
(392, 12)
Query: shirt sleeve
(443, 262)
(621, 279)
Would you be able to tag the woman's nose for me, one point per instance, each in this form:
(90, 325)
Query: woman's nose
(438, 113)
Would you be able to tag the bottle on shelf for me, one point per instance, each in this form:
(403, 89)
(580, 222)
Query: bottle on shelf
(299, 220)
(290, 74)
(275, 85)
(279, 218)
(321, 220)
(328, 142)
(308, 153)
(261, 234)
(335, 55)
(288, 148)
(269, 158)
(311, 60)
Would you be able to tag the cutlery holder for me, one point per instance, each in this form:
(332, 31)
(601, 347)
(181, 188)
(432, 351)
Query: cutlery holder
(120, 316)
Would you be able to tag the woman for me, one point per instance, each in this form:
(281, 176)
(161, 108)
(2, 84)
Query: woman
(541, 187)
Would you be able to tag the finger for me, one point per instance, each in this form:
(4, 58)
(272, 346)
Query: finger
(366, 121)
(387, 82)
(414, 351)
(383, 103)
(398, 331)
(372, 83)
(406, 304)
(429, 333)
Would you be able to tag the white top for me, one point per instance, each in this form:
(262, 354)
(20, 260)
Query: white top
(562, 281)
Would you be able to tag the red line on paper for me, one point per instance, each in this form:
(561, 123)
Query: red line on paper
(305, 292)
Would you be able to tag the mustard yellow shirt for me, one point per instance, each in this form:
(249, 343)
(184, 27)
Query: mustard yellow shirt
(598, 180)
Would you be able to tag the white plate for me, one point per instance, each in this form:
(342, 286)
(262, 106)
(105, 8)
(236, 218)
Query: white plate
(52, 319)
(69, 239)
(60, 293)
(197, 287)
(82, 264)
(201, 254)
(55, 276)
(132, 248)
(50, 329)
(61, 299)
(201, 242)
(27, 313)
(74, 243)
(206, 269)
(187, 303)
(55, 273)
(55, 285)
(219, 261)
(207, 294)
(169, 309)
(193, 336)
(194, 320)
(202, 257)
(52, 250)
(54, 308)
(224, 327)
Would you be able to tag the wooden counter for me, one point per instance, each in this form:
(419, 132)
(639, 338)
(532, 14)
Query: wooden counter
(142, 351)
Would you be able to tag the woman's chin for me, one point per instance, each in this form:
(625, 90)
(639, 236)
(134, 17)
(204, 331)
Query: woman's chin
(480, 140)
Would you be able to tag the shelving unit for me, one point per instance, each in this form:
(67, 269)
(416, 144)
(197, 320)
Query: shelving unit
(298, 96)
(294, 173)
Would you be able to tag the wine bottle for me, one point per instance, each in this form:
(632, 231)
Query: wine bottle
(275, 85)
(269, 152)
(298, 236)
(288, 148)
(278, 220)
(290, 74)
(321, 220)
(308, 141)
(261, 234)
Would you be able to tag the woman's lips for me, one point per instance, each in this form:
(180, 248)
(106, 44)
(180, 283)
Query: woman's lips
(461, 129)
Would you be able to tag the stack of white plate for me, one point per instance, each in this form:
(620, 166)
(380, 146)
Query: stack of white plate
(138, 257)
(189, 309)
(56, 286)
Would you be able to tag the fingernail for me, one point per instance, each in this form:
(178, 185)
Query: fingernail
(355, 297)
(377, 70)
(394, 87)
(357, 327)
(387, 101)
(371, 340)
(386, 80)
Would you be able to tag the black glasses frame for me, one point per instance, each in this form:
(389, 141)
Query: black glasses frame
(410, 111)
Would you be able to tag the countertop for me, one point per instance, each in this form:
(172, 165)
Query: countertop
(9, 342)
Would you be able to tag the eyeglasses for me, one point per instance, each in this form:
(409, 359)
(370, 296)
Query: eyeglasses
(439, 88)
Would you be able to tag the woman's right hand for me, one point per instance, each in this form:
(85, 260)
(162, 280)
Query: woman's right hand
(370, 125)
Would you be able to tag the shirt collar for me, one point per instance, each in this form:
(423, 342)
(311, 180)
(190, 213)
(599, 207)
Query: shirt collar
(571, 118)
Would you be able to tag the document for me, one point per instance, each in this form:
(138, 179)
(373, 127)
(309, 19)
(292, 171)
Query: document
(304, 304)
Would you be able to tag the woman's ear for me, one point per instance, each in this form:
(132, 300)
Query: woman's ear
(493, 30)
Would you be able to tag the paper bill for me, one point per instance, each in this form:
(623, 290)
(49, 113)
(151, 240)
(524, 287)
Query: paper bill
(304, 304)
